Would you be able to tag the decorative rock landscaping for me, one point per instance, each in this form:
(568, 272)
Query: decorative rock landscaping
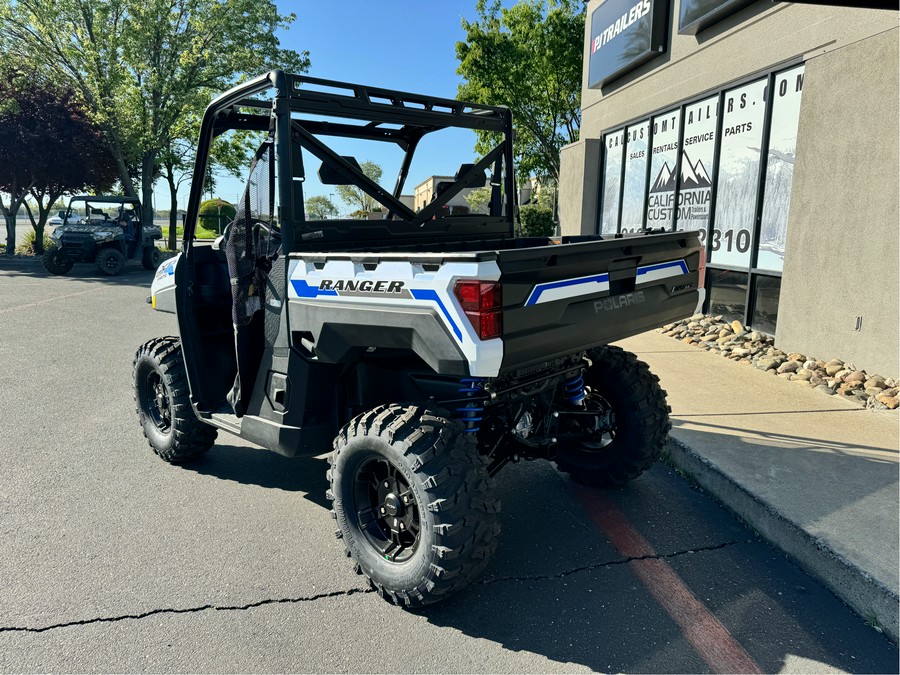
(738, 343)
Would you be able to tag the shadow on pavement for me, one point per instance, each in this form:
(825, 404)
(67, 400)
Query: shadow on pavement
(252, 466)
(134, 274)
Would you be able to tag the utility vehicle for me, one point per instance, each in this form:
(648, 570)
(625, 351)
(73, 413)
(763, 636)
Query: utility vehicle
(424, 350)
(109, 234)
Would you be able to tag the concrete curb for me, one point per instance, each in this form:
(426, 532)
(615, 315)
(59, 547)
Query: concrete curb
(874, 602)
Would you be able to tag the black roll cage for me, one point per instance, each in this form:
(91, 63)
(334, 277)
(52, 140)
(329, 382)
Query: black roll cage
(409, 117)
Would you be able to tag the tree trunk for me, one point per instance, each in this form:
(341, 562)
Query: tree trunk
(173, 211)
(10, 232)
(43, 212)
(148, 173)
(15, 203)
(115, 149)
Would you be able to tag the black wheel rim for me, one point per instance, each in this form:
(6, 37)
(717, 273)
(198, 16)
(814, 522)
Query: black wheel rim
(386, 510)
(111, 263)
(157, 402)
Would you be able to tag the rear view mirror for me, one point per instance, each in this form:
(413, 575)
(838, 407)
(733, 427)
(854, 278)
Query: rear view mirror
(62, 214)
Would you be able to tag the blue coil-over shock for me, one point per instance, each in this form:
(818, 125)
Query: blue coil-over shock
(472, 413)
(573, 388)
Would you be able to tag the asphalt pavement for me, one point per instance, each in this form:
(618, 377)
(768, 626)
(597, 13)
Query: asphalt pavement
(113, 561)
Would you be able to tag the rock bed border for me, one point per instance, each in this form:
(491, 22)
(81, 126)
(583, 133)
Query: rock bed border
(735, 341)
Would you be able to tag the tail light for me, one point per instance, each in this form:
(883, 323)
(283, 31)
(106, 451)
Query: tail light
(482, 302)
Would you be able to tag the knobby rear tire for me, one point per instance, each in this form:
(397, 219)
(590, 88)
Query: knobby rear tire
(458, 511)
(641, 421)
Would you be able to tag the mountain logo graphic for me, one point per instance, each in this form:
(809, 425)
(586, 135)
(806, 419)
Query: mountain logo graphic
(693, 176)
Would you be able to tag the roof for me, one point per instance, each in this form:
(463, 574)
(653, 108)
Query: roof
(106, 199)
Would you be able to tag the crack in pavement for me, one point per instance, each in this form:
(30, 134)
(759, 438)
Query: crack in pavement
(346, 593)
(620, 561)
(185, 610)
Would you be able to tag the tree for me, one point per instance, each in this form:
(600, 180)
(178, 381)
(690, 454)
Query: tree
(479, 199)
(535, 221)
(527, 57)
(141, 66)
(320, 207)
(47, 148)
(354, 197)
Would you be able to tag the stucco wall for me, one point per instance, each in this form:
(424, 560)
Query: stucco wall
(841, 259)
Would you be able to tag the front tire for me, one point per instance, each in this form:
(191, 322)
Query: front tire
(151, 258)
(110, 261)
(55, 262)
(163, 403)
(633, 422)
(414, 504)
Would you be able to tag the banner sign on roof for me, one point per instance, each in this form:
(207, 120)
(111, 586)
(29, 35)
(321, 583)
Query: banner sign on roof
(625, 34)
(696, 15)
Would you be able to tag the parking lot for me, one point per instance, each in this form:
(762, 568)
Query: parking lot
(114, 561)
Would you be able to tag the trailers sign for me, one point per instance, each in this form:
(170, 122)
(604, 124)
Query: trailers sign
(625, 34)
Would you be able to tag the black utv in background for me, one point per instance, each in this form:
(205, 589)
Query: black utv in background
(109, 234)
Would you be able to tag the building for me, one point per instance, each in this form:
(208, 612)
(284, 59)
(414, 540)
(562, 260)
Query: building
(771, 127)
(425, 191)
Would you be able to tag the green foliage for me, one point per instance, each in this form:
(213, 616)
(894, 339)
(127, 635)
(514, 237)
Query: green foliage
(147, 68)
(354, 197)
(479, 199)
(544, 196)
(214, 215)
(320, 207)
(200, 232)
(536, 221)
(527, 57)
(28, 245)
(216, 207)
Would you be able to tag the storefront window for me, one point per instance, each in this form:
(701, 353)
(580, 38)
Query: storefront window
(715, 154)
(663, 170)
(780, 168)
(635, 186)
(743, 115)
(765, 303)
(727, 294)
(697, 164)
(612, 174)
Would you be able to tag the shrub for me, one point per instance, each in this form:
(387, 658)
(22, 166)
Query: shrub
(215, 214)
(27, 245)
(536, 221)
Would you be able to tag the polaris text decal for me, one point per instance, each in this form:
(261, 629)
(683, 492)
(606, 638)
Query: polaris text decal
(615, 302)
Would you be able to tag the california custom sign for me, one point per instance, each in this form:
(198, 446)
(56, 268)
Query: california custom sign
(625, 34)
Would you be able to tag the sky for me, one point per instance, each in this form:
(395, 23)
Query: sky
(397, 44)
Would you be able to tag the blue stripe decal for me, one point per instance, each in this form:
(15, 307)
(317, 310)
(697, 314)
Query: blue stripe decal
(600, 278)
(304, 290)
(661, 266)
(539, 289)
(428, 294)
